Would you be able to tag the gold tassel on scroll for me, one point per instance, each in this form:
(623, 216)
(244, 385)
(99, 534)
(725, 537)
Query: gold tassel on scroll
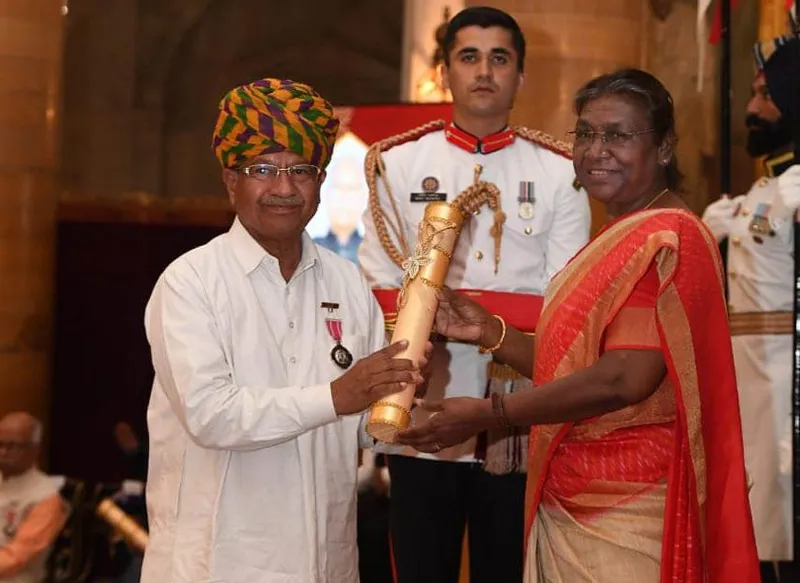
(126, 526)
(423, 274)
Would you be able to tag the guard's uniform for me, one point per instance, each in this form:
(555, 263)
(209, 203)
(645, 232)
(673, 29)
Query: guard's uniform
(547, 223)
(760, 282)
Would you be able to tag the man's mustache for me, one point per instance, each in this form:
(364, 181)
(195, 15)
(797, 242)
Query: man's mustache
(293, 200)
(754, 122)
(486, 85)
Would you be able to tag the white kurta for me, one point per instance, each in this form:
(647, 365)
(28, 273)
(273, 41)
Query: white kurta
(252, 475)
(760, 280)
(533, 250)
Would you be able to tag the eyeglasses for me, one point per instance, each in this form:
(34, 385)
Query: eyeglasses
(14, 445)
(585, 138)
(298, 173)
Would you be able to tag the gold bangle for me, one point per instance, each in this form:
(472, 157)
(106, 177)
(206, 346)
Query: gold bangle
(483, 349)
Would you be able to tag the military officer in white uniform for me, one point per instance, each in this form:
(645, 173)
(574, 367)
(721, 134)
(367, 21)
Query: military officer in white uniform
(480, 483)
(759, 228)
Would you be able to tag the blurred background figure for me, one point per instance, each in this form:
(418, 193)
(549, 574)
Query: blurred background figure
(343, 198)
(31, 509)
(131, 495)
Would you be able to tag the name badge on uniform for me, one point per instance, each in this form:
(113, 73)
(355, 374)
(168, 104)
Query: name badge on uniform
(526, 200)
(430, 192)
(760, 225)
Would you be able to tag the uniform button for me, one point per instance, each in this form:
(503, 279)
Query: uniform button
(745, 211)
(732, 274)
(736, 241)
(291, 325)
(292, 360)
(478, 255)
(528, 230)
(477, 212)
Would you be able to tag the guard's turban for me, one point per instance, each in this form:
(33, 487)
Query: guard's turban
(778, 60)
(274, 115)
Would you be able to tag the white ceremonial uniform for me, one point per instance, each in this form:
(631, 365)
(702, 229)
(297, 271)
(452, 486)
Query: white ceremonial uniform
(252, 475)
(760, 278)
(532, 251)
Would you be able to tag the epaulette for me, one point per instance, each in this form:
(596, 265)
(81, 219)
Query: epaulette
(545, 140)
(410, 135)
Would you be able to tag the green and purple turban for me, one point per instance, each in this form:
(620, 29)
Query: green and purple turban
(274, 115)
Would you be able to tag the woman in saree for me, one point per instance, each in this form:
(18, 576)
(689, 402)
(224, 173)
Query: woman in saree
(635, 470)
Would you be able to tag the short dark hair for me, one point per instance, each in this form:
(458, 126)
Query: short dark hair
(484, 16)
(651, 94)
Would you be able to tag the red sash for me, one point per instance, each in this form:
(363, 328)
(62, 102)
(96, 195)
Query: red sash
(518, 310)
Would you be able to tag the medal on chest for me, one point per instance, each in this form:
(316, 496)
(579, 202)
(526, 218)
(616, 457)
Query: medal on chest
(760, 225)
(339, 354)
(526, 200)
(10, 527)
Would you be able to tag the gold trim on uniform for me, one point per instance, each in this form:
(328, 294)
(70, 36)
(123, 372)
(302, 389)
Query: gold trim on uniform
(772, 163)
(757, 323)
(501, 372)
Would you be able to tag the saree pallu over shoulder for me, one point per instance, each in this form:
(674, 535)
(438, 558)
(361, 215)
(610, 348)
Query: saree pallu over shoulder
(707, 531)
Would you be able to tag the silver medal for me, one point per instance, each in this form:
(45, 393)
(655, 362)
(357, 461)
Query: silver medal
(526, 211)
(526, 200)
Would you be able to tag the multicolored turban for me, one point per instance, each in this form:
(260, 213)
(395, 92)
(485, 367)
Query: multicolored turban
(777, 59)
(274, 115)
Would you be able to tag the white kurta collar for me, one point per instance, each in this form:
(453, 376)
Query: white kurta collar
(250, 254)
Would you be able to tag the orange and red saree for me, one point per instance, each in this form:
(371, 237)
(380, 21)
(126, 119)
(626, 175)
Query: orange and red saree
(655, 492)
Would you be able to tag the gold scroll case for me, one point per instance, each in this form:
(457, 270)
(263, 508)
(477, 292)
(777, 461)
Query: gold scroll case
(126, 526)
(424, 273)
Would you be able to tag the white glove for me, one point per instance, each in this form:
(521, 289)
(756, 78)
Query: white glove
(789, 187)
(718, 216)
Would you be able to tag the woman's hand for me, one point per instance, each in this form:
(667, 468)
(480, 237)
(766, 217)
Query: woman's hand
(452, 421)
(459, 318)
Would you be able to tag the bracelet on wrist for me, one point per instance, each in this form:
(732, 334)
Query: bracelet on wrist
(489, 350)
(499, 410)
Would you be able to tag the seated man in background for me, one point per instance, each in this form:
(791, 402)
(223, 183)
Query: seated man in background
(32, 512)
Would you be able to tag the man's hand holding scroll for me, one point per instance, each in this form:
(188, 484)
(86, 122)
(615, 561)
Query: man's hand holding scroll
(375, 377)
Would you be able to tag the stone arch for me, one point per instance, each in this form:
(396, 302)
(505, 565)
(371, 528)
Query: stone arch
(162, 25)
(349, 50)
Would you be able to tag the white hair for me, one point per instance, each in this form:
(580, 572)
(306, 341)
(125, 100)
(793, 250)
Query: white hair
(34, 423)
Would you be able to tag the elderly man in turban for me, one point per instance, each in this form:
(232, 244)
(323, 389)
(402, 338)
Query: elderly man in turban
(260, 343)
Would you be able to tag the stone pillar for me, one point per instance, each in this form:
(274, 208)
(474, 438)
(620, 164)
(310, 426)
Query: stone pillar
(30, 76)
(420, 21)
(568, 43)
(672, 56)
(97, 123)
